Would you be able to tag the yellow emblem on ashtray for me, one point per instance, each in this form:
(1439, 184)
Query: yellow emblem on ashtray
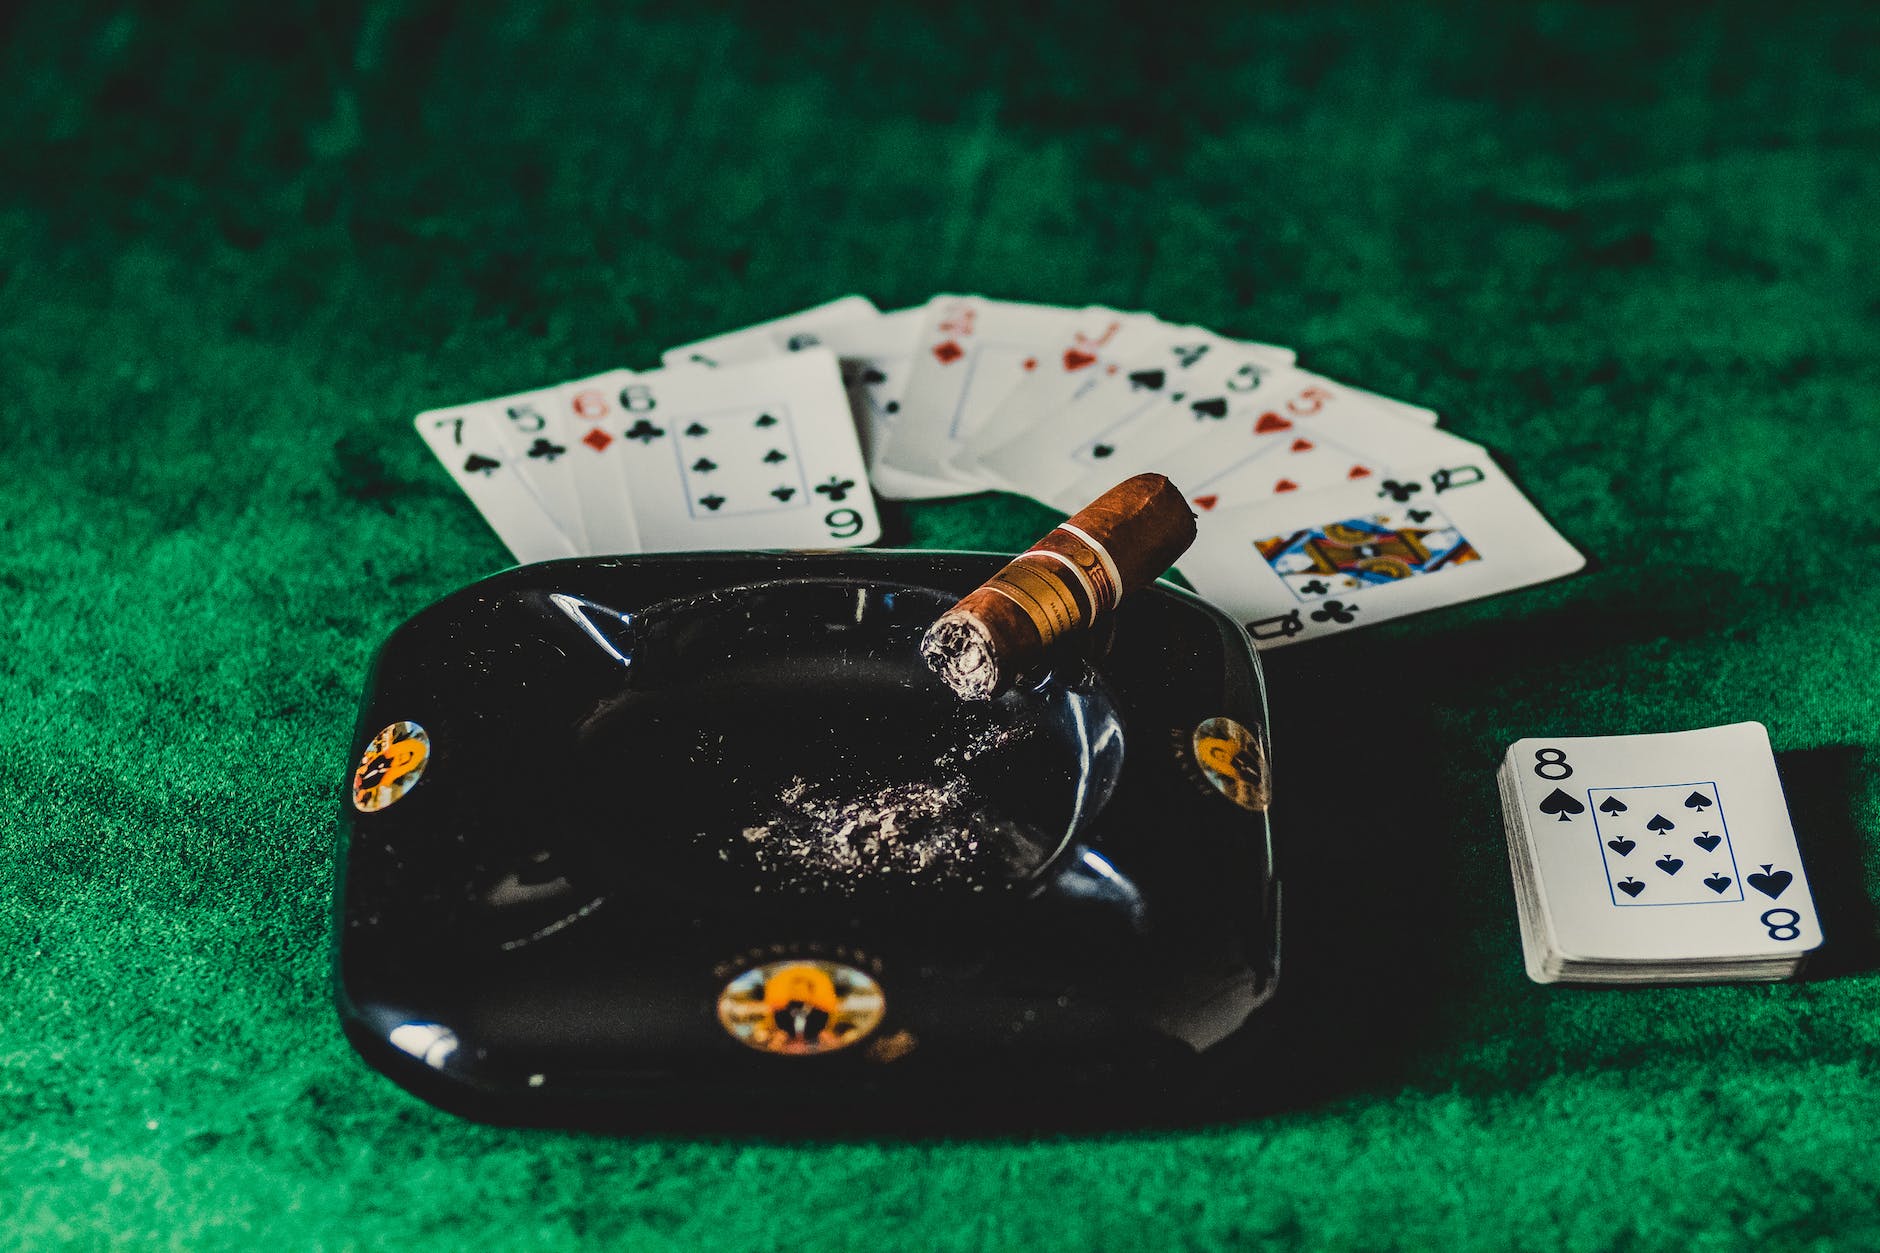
(800, 1006)
(1234, 761)
(391, 766)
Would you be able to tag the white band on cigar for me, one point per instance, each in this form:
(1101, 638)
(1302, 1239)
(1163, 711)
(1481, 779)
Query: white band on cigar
(1103, 555)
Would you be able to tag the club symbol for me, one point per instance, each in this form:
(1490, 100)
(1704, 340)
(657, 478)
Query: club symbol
(1147, 380)
(1419, 515)
(765, 420)
(477, 463)
(645, 431)
(948, 352)
(597, 439)
(1717, 882)
(1214, 407)
(713, 502)
(1698, 801)
(1335, 611)
(697, 429)
(774, 456)
(1621, 846)
(1707, 841)
(836, 488)
(1399, 492)
(1660, 824)
(545, 449)
(783, 493)
(1315, 587)
(704, 465)
(1630, 886)
(1771, 882)
(1669, 864)
(1562, 803)
(1102, 450)
(1612, 805)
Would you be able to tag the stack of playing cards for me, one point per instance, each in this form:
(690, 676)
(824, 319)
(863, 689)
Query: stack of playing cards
(1321, 507)
(1655, 859)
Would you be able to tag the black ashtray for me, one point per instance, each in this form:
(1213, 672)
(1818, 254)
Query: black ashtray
(699, 840)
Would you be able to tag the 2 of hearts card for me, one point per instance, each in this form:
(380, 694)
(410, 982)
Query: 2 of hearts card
(1655, 858)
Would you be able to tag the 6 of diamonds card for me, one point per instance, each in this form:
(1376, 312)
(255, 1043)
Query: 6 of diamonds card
(1314, 563)
(759, 455)
(1663, 848)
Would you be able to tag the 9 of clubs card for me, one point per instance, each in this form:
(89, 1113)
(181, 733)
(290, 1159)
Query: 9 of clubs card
(1674, 849)
(757, 455)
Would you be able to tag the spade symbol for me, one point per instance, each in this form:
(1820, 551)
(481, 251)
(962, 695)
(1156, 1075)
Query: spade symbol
(1707, 841)
(783, 493)
(1660, 824)
(1698, 801)
(775, 455)
(1213, 407)
(1102, 450)
(545, 450)
(1621, 846)
(1771, 882)
(697, 429)
(477, 463)
(1612, 805)
(1558, 802)
(1148, 380)
(1630, 886)
(714, 502)
(645, 431)
(1717, 883)
(767, 420)
(1669, 864)
(704, 465)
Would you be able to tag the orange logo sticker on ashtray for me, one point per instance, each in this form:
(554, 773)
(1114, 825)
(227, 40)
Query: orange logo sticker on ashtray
(391, 766)
(1232, 758)
(800, 1006)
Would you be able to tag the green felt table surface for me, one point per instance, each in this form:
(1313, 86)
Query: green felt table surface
(1631, 248)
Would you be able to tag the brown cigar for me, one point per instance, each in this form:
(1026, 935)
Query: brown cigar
(1063, 583)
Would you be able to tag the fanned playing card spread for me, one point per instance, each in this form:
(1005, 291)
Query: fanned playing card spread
(1321, 507)
(1655, 859)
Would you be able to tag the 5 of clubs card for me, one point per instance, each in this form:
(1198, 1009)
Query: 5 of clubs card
(1656, 858)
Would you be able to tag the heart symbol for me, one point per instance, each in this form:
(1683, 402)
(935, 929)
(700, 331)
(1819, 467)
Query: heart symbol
(1285, 485)
(948, 352)
(1630, 886)
(1301, 445)
(1717, 882)
(1077, 358)
(1359, 472)
(1207, 502)
(1707, 842)
(1102, 450)
(1270, 422)
(1030, 363)
(1771, 882)
(1621, 846)
(1669, 864)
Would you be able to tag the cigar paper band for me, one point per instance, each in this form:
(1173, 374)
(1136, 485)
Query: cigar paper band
(1112, 590)
(1043, 595)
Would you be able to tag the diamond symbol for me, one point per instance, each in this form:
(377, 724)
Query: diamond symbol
(948, 352)
(597, 439)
